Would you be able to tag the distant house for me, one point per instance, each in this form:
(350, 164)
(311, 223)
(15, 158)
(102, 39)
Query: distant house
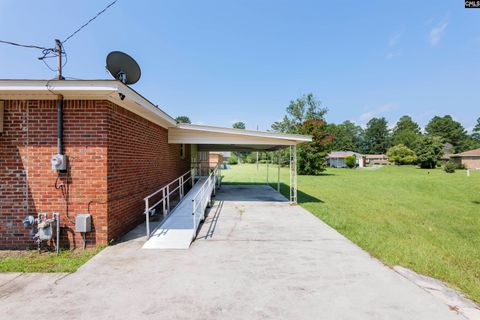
(336, 159)
(470, 159)
(376, 159)
(446, 157)
(215, 158)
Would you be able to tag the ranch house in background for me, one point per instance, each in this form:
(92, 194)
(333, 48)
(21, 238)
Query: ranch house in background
(376, 159)
(336, 159)
(469, 159)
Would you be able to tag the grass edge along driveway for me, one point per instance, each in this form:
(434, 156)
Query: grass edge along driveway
(425, 220)
(32, 261)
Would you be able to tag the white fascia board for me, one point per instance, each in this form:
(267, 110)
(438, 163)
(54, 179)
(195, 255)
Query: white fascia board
(87, 90)
(242, 132)
(179, 135)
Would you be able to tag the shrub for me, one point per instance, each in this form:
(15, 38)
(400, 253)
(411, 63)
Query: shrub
(233, 159)
(429, 150)
(262, 161)
(350, 161)
(460, 166)
(401, 154)
(449, 166)
(251, 157)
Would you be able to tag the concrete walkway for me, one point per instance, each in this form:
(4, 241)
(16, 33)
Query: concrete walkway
(256, 257)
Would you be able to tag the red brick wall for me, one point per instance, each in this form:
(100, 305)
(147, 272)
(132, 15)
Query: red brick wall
(139, 162)
(115, 159)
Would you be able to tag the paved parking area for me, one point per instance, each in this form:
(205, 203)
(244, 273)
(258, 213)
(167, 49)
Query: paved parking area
(256, 257)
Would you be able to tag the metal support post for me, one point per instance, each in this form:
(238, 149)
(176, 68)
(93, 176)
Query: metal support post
(181, 187)
(147, 218)
(267, 170)
(278, 177)
(290, 170)
(193, 215)
(168, 198)
(163, 203)
(295, 174)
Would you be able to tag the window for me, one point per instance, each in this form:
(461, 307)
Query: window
(182, 151)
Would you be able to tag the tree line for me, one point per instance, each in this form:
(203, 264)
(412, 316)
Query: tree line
(405, 143)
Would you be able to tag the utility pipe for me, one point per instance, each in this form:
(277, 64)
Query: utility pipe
(60, 124)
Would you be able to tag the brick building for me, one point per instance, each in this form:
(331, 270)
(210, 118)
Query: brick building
(120, 148)
(469, 159)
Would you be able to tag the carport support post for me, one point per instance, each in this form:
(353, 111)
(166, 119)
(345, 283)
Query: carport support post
(293, 175)
(290, 169)
(267, 171)
(278, 177)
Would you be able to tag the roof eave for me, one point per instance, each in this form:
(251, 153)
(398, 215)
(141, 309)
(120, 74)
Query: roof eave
(111, 90)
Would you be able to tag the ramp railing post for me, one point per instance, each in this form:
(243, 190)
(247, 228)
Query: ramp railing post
(193, 214)
(147, 217)
(181, 187)
(163, 203)
(168, 198)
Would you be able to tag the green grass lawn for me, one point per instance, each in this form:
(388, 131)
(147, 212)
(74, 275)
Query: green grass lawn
(32, 261)
(426, 220)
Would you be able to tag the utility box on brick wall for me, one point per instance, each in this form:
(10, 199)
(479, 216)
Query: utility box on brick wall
(83, 222)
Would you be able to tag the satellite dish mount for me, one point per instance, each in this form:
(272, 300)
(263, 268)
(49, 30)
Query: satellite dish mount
(123, 67)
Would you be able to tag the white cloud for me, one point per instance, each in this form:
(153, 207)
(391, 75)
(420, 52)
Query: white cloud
(436, 33)
(392, 45)
(364, 117)
(393, 41)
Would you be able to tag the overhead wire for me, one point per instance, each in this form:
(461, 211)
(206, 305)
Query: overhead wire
(54, 52)
(31, 46)
(88, 22)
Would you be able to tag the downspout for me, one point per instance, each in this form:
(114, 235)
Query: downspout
(59, 49)
(60, 101)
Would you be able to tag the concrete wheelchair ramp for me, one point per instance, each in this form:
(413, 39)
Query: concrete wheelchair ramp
(177, 231)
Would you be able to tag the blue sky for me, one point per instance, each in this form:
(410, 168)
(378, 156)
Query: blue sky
(224, 61)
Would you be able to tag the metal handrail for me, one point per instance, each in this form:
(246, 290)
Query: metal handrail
(165, 199)
(214, 179)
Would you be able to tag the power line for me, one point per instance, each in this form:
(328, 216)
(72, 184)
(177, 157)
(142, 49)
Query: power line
(59, 50)
(24, 45)
(88, 22)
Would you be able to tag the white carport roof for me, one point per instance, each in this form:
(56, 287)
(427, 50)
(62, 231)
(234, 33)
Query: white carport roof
(209, 138)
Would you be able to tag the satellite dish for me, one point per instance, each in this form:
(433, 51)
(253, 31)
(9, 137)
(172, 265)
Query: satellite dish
(123, 67)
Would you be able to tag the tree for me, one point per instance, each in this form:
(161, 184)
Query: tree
(239, 125)
(450, 166)
(476, 131)
(429, 149)
(300, 110)
(449, 130)
(406, 132)
(405, 123)
(312, 155)
(376, 136)
(233, 159)
(183, 119)
(401, 154)
(350, 161)
(348, 136)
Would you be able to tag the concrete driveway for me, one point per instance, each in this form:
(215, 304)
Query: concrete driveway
(256, 257)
